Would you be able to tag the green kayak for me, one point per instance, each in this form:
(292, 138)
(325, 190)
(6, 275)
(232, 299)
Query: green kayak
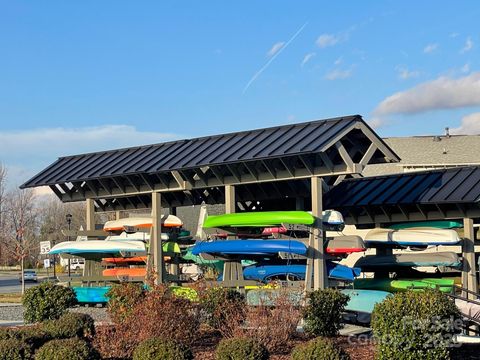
(259, 219)
(395, 285)
(441, 224)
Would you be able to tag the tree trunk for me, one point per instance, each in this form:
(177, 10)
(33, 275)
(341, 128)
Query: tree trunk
(22, 266)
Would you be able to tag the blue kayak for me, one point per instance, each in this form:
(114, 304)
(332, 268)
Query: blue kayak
(250, 247)
(266, 272)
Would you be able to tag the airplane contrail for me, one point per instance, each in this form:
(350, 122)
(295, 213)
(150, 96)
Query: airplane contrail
(264, 67)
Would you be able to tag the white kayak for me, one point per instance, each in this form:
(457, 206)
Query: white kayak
(98, 249)
(140, 222)
(137, 236)
(412, 237)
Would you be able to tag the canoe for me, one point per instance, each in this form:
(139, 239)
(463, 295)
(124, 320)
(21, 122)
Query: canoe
(364, 300)
(136, 236)
(372, 262)
(131, 272)
(395, 285)
(99, 249)
(440, 224)
(250, 247)
(259, 219)
(344, 245)
(270, 219)
(137, 259)
(293, 272)
(412, 237)
(91, 295)
(140, 222)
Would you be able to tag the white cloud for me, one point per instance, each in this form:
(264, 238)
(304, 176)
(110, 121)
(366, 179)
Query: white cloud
(307, 58)
(465, 68)
(27, 152)
(326, 40)
(430, 48)
(337, 74)
(468, 45)
(275, 48)
(338, 61)
(376, 122)
(404, 73)
(470, 125)
(441, 93)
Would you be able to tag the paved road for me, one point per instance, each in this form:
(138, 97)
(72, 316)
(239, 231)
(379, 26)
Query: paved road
(11, 284)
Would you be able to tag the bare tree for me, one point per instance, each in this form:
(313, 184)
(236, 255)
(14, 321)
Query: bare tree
(3, 180)
(20, 238)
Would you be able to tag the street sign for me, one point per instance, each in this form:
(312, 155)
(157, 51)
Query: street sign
(44, 247)
(46, 263)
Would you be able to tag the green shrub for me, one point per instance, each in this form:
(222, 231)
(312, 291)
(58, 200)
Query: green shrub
(70, 325)
(415, 325)
(219, 304)
(241, 349)
(14, 349)
(122, 299)
(47, 302)
(323, 314)
(63, 349)
(319, 349)
(32, 337)
(160, 349)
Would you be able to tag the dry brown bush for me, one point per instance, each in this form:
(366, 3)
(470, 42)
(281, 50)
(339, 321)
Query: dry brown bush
(273, 326)
(160, 314)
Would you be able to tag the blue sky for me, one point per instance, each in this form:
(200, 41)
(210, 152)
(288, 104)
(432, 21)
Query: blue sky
(79, 76)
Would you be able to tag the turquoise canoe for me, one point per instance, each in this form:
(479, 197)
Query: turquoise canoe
(440, 224)
(91, 295)
(364, 300)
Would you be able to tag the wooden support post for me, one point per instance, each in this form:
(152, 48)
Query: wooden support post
(300, 204)
(320, 280)
(118, 215)
(229, 199)
(91, 268)
(232, 270)
(156, 240)
(469, 277)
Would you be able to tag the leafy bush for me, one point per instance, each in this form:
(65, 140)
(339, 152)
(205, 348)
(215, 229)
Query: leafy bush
(62, 349)
(47, 302)
(224, 309)
(112, 342)
(32, 336)
(122, 298)
(415, 325)
(70, 325)
(159, 349)
(319, 349)
(14, 349)
(241, 349)
(323, 314)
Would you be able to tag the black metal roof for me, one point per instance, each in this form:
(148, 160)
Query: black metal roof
(445, 193)
(279, 141)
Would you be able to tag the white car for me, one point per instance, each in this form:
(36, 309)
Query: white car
(29, 275)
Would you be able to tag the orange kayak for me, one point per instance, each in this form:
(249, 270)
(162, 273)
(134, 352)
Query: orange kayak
(134, 272)
(135, 259)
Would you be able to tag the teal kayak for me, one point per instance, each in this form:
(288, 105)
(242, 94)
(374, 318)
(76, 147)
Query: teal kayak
(364, 300)
(440, 224)
(259, 219)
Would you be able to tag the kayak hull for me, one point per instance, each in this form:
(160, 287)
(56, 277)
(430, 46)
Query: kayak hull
(412, 237)
(396, 285)
(417, 259)
(252, 247)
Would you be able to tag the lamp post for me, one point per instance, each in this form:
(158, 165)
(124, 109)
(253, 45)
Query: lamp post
(68, 217)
